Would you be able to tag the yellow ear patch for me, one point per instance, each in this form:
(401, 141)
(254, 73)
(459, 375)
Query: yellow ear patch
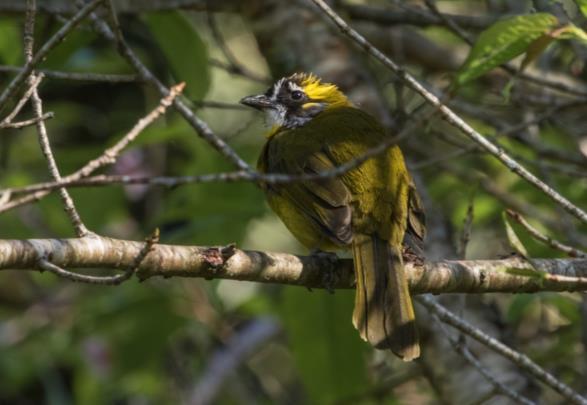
(310, 105)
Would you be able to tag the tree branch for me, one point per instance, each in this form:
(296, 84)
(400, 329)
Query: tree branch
(77, 76)
(109, 156)
(467, 276)
(19, 79)
(412, 16)
(124, 6)
(520, 359)
(449, 115)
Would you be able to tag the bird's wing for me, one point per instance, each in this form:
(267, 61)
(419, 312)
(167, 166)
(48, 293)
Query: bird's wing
(416, 230)
(325, 202)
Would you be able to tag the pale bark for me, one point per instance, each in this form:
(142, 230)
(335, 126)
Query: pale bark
(468, 276)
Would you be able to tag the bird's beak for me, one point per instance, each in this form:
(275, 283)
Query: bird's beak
(260, 102)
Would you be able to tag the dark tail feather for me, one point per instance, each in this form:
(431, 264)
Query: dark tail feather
(383, 314)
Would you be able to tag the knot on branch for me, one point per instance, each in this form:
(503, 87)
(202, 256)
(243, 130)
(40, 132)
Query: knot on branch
(217, 256)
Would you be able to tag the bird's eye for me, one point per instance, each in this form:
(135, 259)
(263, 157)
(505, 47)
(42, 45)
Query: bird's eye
(297, 95)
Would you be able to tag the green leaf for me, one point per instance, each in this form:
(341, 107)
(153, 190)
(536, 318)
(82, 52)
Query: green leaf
(502, 42)
(184, 50)
(571, 32)
(328, 351)
(582, 4)
(513, 239)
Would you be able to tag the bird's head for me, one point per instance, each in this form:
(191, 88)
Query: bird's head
(293, 101)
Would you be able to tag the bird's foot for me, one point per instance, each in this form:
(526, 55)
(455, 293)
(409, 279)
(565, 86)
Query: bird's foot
(410, 256)
(329, 261)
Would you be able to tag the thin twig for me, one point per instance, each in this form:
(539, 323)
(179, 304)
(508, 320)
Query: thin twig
(448, 22)
(29, 122)
(219, 105)
(233, 71)
(117, 279)
(240, 175)
(23, 100)
(109, 156)
(519, 359)
(37, 103)
(419, 17)
(234, 66)
(536, 234)
(78, 76)
(81, 278)
(413, 16)
(199, 125)
(225, 361)
(20, 78)
(450, 116)
(460, 346)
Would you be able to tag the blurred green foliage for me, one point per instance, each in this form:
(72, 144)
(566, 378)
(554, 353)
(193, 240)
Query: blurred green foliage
(149, 343)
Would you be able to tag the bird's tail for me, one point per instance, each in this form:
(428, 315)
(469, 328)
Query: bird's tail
(383, 314)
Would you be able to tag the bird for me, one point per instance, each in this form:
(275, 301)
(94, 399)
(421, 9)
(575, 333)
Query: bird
(372, 209)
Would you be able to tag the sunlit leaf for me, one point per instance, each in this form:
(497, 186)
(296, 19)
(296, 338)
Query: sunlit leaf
(571, 31)
(582, 4)
(502, 42)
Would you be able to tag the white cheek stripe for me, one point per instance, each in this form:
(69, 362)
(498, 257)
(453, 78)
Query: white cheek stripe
(275, 116)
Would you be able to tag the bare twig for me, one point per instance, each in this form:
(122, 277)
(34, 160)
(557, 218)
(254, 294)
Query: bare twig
(536, 234)
(448, 22)
(145, 74)
(219, 105)
(520, 359)
(460, 346)
(234, 66)
(111, 154)
(413, 16)
(59, 7)
(235, 71)
(23, 100)
(29, 122)
(108, 157)
(45, 265)
(450, 116)
(227, 359)
(241, 175)
(20, 78)
(74, 217)
(78, 76)
(117, 279)
(419, 17)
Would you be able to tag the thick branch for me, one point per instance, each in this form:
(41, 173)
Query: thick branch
(471, 276)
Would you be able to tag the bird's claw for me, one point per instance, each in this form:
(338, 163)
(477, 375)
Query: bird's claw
(330, 276)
